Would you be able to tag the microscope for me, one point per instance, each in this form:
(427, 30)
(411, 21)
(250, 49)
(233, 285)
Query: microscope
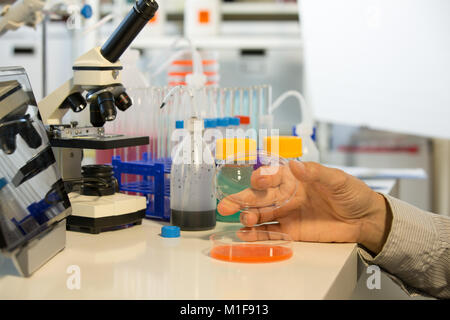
(33, 200)
(96, 82)
(15, 122)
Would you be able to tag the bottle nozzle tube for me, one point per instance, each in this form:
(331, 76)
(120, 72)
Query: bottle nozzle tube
(142, 12)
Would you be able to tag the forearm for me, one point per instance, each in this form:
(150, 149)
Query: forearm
(416, 250)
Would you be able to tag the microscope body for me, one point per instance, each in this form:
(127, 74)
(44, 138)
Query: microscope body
(91, 72)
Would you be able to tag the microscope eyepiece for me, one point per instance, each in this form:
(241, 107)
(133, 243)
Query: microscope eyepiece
(142, 12)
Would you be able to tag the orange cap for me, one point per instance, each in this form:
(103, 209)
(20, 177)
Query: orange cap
(288, 146)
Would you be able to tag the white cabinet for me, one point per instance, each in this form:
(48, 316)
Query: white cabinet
(24, 48)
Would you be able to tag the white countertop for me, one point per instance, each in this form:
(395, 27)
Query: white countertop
(385, 186)
(137, 263)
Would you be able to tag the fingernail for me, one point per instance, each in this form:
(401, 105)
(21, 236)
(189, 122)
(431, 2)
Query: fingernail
(298, 165)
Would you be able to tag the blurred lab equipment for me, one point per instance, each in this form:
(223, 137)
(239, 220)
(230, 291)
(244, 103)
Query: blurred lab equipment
(288, 147)
(170, 232)
(147, 170)
(151, 179)
(251, 246)
(183, 65)
(202, 17)
(182, 59)
(237, 171)
(33, 200)
(192, 199)
(305, 129)
(22, 12)
(159, 124)
(211, 133)
(233, 125)
(32, 12)
(132, 76)
(228, 153)
(244, 122)
(98, 73)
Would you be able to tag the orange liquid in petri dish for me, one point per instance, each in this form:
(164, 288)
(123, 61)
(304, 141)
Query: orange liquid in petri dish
(251, 253)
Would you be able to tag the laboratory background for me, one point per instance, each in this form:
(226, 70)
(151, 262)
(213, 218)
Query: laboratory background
(361, 85)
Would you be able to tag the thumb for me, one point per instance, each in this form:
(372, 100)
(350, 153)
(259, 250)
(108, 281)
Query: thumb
(298, 169)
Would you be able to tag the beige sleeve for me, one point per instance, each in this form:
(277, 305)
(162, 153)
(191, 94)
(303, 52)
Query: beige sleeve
(416, 254)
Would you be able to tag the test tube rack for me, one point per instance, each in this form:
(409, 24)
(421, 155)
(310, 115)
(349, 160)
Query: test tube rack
(153, 183)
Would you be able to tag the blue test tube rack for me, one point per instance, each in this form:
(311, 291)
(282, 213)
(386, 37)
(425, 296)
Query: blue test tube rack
(153, 183)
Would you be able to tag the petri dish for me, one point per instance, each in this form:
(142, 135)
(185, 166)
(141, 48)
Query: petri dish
(254, 181)
(251, 246)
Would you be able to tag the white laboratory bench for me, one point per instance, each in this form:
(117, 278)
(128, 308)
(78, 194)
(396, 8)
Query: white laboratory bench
(137, 263)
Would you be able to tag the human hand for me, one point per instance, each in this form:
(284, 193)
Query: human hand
(328, 206)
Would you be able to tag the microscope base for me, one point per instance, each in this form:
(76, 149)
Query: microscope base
(40, 250)
(92, 214)
(99, 225)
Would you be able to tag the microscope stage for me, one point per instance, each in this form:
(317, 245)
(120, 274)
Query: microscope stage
(100, 143)
(94, 214)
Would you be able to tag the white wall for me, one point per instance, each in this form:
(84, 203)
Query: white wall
(441, 187)
(380, 63)
(59, 57)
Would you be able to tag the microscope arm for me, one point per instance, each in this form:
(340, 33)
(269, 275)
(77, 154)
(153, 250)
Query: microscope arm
(50, 107)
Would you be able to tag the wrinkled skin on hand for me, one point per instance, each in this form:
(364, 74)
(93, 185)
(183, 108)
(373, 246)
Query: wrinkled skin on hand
(328, 205)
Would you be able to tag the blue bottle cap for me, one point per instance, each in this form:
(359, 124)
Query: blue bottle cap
(3, 183)
(170, 232)
(234, 121)
(179, 124)
(86, 11)
(210, 123)
(313, 136)
(222, 122)
(294, 131)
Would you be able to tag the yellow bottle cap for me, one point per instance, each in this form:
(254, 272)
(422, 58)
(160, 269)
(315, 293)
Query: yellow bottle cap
(284, 146)
(241, 149)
